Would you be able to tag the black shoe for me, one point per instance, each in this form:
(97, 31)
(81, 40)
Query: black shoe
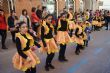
(65, 59)
(51, 66)
(82, 48)
(4, 47)
(14, 41)
(47, 68)
(86, 45)
(77, 53)
(61, 60)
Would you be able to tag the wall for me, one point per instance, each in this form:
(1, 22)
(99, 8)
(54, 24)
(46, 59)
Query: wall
(77, 5)
(95, 5)
(26, 4)
(61, 5)
(4, 6)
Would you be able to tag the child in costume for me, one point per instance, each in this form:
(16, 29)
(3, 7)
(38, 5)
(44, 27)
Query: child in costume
(88, 32)
(49, 45)
(95, 23)
(25, 59)
(71, 21)
(78, 38)
(62, 36)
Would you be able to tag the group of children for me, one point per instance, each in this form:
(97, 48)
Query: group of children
(67, 30)
(98, 22)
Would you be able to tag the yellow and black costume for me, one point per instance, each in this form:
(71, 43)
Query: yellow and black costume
(24, 42)
(62, 37)
(97, 22)
(71, 22)
(49, 45)
(79, 38)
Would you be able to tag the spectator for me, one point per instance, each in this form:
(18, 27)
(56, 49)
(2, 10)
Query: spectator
(39, 11)
(3, 28)
(12, 23)
(24, 17)
(108, 20)
(91, 16)
(44, 12)
(35, 20)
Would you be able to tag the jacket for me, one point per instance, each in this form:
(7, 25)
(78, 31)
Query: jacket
(3, 25)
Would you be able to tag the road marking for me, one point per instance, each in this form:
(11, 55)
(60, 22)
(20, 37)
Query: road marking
(77, 66)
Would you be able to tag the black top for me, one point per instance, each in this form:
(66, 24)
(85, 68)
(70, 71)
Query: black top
(64, 25)
(108, 18)
(78, 35)
(49, 35)
(28, 22)
(39, 13)
(11, 22)
(19, 48)
(68, 15)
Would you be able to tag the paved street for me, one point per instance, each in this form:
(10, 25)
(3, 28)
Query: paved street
(94, 59)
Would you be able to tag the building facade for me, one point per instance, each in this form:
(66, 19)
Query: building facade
(91, 4)
(52, 5)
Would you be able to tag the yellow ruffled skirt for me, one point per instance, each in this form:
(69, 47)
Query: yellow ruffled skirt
(77, 40)
(94, 22)
(85, 36)
(51, 46)
(22, 64)
(63, 37)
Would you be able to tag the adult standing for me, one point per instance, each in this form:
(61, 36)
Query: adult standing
(35, 20)
(39, 11)
(25, 17)
(12, 20)
(3, 28)
(108, 20)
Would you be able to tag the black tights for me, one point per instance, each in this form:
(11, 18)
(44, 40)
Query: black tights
(49, 58)
(71, 32)
(31, 70)
(62, 51)
(78, 48)
(35, 27)
(13, 35)
(3, 33)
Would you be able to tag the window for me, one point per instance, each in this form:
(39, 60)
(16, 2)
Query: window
(50, 4)
(70, 4)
